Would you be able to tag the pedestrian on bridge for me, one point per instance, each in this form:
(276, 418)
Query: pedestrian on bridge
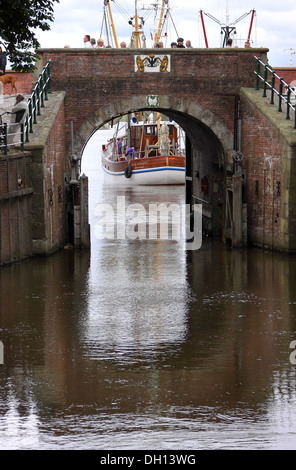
(86, 41)
(180, 43)
(18, 116)
(100, 43)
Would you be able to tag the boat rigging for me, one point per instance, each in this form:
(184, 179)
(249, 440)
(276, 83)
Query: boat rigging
(163, 21)
(227, 28)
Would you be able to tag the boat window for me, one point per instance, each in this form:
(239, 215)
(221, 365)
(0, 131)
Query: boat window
(150, 130)
(171, 130)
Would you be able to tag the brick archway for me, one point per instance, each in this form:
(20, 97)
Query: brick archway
(186, 113)
(209, 142)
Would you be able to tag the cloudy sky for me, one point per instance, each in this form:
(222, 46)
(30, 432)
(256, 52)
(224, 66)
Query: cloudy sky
(273, 26)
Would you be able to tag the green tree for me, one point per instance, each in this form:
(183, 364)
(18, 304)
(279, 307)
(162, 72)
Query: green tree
(19, 19)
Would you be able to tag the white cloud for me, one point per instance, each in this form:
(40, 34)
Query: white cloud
(273, 27)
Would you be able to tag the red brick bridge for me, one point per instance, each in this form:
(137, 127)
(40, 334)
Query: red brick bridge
(211, 94)
(236, 141)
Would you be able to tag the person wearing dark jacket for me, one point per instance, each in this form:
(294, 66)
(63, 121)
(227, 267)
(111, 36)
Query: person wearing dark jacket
(180, 43)
(3, 61)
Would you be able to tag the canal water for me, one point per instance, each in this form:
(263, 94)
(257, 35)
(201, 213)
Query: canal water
(142, 344)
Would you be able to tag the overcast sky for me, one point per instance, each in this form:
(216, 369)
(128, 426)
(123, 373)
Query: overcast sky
(273, 26)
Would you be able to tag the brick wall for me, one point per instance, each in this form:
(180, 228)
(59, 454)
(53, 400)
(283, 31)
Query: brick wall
(287, 73)
(93, 78)
(56, 158)
(24, 83)
(265, 150)
(49, 164)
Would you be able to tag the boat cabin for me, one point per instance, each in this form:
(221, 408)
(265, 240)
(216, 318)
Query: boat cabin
(145, 137)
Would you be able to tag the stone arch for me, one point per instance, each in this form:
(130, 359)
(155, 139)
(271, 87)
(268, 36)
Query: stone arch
(209, 142)
(185, 112)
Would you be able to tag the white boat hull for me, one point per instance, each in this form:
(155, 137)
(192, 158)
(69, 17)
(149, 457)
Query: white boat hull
(150, 176)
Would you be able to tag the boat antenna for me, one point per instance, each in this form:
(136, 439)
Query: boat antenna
(292, 51)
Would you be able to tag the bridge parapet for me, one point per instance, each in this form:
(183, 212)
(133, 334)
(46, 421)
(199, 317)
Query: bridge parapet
(94, 78)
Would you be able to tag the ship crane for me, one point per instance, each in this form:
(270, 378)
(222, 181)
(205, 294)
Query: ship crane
(227, 28)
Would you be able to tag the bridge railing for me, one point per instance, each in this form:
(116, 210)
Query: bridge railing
(36, 101)
(285, 93)
(11, 135)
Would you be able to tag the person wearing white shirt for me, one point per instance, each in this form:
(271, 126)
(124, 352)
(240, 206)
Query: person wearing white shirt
(86, 41)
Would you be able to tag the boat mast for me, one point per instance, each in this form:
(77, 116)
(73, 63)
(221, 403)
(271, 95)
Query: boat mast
(227, 13)
(204, 29)
(157, 34)
(112, 23)
(107, 22)
(137, 32)
(136, 36)
(251, 24)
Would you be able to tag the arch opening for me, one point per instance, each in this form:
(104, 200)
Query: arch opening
(207, 143)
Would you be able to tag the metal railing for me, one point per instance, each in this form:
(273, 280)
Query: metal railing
(8, 132)
(35, 102)
(285, 93)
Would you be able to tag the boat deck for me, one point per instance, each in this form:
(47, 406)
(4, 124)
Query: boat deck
(145, 163)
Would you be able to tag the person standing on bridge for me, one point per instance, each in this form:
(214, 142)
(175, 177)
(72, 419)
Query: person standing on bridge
(18, 116)
(86, 41)
(180, 43)
(100, 43)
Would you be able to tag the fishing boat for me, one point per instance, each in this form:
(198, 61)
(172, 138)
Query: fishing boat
(146, 152)
(149, 151)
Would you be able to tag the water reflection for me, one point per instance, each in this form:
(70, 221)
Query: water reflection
(142, 345)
